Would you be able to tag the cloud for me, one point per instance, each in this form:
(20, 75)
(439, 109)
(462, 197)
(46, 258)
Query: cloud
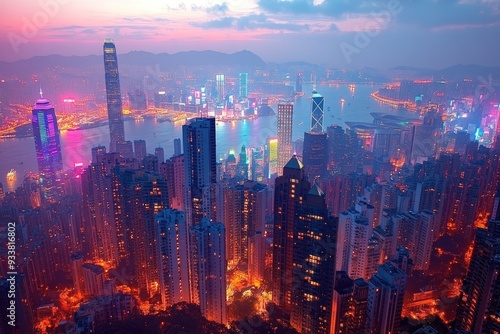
(217, 8)
(421, 13)
(251, 22)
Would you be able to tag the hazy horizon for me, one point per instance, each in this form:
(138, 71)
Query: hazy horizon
(379, 34)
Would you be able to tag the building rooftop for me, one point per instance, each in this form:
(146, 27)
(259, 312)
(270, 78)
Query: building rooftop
(294, 163)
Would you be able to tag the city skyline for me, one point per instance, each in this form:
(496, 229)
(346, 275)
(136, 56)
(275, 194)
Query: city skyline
(351, 34)
(210, 192)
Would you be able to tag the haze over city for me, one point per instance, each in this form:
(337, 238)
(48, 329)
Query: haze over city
(259, 166)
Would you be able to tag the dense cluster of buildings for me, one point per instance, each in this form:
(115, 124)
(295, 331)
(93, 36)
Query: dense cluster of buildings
(335, 226)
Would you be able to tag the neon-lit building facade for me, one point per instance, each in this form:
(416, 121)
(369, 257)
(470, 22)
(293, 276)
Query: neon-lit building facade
(48, 148)
(285, 123)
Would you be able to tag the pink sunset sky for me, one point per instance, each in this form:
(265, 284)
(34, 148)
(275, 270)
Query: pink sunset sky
(425, 33)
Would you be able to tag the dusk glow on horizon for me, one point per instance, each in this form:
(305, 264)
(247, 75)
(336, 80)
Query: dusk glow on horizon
(390, 33)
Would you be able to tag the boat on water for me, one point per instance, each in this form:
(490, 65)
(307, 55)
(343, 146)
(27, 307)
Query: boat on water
(11, 175)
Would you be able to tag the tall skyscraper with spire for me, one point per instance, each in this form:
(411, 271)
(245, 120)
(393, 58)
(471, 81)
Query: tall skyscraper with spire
(317, 112)
(48, 148)
(113, 94)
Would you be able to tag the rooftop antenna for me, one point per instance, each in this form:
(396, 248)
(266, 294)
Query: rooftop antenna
(41, 93)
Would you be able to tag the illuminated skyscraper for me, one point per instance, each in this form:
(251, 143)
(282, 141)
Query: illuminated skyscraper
(171, 232)
(199, 169)
(244, 214)
(48, 148)
(272, 157)
(220, 87)
(208, 260)
(285, 123)
(290, 191)
(315, 232)
(113, 94)
(317, 112)
(243, 85)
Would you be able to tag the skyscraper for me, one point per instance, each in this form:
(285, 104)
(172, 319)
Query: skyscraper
(317, 112)
(113, 94)
(285, 122)
(172, 235)
(199, 169)
(315, 233)
(140, 149)
(315, 154)
(220, 87)
(290, 191)
(208, 261)
(385, 299)
(48, 148)
(245, 214)
(479, 303)
(243, 85)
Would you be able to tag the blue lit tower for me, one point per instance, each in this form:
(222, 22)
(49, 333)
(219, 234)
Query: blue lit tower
(243, 85)
(315, 152)
(48, 148)
(317, 112)
(113, 94)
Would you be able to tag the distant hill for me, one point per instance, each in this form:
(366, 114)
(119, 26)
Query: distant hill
(135, 58)
(453, 73)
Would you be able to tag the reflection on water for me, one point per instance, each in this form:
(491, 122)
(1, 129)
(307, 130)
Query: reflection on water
(76, 145)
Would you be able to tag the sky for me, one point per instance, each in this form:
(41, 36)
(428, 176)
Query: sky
(342, 33)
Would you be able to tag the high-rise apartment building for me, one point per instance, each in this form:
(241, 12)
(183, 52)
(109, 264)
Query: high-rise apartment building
(173, 250)
(385, 299)
(208, 269)
(199, 169)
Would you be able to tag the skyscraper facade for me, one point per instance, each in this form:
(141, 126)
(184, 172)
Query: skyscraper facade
(317, 112)
(243, 85)
(479, 303)
(171, 231)
(313, 265)
(285, 122)
(113, 94)
(315, 154)
(208, 277)
(199, 169)
(385, 299)
(48, 149)
(220, 87)
(290, 191)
